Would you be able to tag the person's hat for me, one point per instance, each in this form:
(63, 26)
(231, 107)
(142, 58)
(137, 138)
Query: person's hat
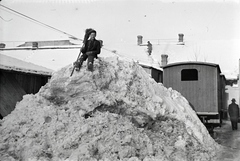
(91, 31)
(233, 100)
(87, 34)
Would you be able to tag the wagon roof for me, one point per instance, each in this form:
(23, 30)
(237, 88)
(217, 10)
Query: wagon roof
(192, 63)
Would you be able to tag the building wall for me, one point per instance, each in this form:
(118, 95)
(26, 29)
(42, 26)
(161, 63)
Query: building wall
(232, 92)
(14, 85)
(10, 93)
(223, 94)
(201, 94)
(31, 83)
(157, 75)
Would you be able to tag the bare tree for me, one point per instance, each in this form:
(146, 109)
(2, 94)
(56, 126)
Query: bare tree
(205, 58)
(196, 52)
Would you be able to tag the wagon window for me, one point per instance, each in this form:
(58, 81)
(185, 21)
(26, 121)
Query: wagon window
(189, 75)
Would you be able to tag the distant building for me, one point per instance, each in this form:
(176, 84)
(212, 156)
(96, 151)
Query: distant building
(18, 78)
(50, 54)
(232, 89)
(156, 73)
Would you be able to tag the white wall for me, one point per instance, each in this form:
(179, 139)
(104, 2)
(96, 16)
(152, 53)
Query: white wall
(232, 92)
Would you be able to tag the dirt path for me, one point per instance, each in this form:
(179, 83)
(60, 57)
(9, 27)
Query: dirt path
(230, 140)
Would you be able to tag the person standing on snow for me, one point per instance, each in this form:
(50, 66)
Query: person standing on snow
(91, 48)
(233, 111)
(149, 47)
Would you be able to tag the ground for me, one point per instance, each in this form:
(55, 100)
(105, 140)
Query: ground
(230, 140)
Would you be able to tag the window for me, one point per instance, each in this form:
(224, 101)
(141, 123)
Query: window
(189, 75)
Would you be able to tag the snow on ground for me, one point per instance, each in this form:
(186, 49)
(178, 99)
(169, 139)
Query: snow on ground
(116, 112)
(230, 141)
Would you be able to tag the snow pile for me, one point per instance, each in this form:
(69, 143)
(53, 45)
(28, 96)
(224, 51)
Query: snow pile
(116, 112)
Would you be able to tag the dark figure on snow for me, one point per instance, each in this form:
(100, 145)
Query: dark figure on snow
(233, 111)
(149, 45)
(91, 48)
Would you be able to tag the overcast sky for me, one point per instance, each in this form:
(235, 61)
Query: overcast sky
(211, 26)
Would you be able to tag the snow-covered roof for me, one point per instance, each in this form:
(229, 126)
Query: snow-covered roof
(137, 53)
(48, 43)
(53, 59)
(56, 57)
(176, 52)
(231, 76)
(13, 64)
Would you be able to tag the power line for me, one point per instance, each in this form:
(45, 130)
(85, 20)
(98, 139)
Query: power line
(70, 36)
(5, 19)
(25, 16)
(32, 19)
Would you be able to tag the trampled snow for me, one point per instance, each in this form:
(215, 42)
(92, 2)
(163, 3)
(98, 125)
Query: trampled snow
(116, 112)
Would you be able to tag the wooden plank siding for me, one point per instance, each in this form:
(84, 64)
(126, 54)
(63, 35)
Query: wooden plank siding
(156, 74)
(13, 85)
(203, 93)
(31, 83)
(10, 93)
(223, 98)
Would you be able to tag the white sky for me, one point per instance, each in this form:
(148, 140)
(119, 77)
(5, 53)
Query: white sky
(212, 27)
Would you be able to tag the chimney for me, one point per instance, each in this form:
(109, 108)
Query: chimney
(164, 59)
(180, 37)
(149, 47)
(139, 39)
(2, 45)
(34, 45)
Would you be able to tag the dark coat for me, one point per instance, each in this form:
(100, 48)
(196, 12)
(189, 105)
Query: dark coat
(233, 111)
(92, 47)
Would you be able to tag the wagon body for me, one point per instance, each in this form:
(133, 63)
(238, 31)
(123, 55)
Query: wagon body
(200, 83)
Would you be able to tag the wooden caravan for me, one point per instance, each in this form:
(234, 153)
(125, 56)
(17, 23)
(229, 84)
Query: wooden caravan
(200, 83)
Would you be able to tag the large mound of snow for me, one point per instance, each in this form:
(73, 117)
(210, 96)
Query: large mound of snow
(116, 112)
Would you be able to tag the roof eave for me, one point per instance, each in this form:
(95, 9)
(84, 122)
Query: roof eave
(17, 69)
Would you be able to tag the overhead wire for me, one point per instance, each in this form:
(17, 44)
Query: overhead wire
(53, 28)
(5, 19)
(41, 23)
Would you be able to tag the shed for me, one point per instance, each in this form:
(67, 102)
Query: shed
(156, 73)
(201, 84)
(18, 78)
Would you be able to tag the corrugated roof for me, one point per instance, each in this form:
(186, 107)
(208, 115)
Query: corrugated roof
(13, 64)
